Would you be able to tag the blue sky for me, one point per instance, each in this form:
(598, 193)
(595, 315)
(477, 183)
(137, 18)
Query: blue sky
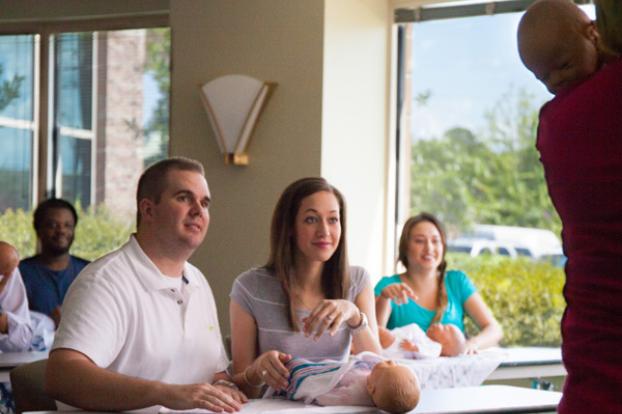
(467, 64)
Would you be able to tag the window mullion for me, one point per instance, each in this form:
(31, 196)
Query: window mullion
(42, 109)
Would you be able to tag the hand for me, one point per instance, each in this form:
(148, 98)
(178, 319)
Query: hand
(270, 368)
(234, 393)
(206, 396)
(408, 346)
(329, 315)
(398, 293)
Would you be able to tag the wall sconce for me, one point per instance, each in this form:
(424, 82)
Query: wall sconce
(233, 104)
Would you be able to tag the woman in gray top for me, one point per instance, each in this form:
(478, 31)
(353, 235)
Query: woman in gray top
(306, 301)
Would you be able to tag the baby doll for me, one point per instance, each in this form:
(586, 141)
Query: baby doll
(366, 380)
(411, 342)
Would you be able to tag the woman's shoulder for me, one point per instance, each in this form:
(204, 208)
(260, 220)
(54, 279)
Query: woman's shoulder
(358, 274)
(256, 276)
(459, 282)
(456, 277)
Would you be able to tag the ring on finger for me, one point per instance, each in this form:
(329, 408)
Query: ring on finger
(264, 372)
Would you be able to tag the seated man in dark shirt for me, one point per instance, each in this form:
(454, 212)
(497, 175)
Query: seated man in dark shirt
(47, 275)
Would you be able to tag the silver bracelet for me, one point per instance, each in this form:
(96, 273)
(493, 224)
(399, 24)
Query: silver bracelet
(226, 383)
(362, 325)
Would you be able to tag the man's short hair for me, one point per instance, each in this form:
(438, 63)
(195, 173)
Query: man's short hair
(50, 204)
(152, 182)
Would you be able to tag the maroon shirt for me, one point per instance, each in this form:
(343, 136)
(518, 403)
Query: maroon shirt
(580, 144)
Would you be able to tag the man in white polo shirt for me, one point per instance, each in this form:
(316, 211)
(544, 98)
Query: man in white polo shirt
(139, 325)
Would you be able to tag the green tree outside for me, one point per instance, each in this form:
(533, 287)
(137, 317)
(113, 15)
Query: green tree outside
(493, 177)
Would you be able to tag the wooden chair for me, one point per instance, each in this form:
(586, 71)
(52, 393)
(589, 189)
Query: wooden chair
(28, 382)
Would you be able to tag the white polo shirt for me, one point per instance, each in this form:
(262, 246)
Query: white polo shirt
(128, 317)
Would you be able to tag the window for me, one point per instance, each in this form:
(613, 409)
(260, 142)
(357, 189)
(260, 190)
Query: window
(17, 123)
(468, 114)
(104, 119)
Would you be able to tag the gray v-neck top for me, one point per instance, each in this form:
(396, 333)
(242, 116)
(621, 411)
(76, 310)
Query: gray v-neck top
(259, 293)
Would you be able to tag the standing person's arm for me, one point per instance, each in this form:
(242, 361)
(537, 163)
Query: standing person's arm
(74, 379)
(490, 331)
(15, 326)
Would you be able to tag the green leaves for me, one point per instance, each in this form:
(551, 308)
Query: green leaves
(98, 232)
(9, 89)
(493, 176)
(525, 297)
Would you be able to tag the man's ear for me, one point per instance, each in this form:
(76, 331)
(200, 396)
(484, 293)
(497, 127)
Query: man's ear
(592, 33)
(145, 206)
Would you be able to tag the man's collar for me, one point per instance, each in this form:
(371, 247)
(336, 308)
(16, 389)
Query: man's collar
(150, 276)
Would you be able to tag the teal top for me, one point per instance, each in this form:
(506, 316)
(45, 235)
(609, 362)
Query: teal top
(459, 288)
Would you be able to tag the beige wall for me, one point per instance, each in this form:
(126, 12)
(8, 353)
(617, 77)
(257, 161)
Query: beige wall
(328, 116)
(275, 40)
(355, 121)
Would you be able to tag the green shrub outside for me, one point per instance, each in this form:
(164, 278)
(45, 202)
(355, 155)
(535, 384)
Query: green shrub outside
(98, 232)
(525, 296)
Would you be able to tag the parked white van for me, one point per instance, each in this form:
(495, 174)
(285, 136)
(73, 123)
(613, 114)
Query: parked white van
(509, 241)
(480, 247)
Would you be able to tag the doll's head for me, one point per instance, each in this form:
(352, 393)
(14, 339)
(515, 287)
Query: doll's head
(9, 259)
(449, 336)
(393, 388)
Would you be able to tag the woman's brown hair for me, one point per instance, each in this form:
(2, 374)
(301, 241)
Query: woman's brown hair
(335, 277)
(441, 296)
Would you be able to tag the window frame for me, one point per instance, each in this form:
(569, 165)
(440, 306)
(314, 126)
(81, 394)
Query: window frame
(44, 32)
(407, 12)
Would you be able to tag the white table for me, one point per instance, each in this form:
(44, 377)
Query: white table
(529, 362)
(10, 360)
(488, 399)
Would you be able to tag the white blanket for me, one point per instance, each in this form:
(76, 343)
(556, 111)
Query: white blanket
(451, 372)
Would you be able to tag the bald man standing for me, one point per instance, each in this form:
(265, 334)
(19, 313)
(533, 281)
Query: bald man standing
(580, 146)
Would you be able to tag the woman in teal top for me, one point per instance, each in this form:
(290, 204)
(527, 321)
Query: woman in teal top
(426, 293)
